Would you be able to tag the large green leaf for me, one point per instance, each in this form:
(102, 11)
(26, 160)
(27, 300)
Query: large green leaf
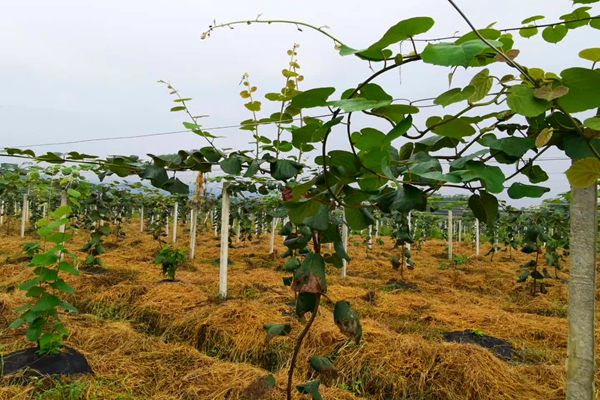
(403, 199)
(397, 33)
(358, 104)
(554, 34)
(521, 100)
(358, 218)
(482, 83)
(312, 98)
(454, 96)
(285, 169)
(453, 55)
(231, 165)
(513, 146)
(535, 173)
(519, 190)
(450, 126)
(583, 87)
(491, 177)
(484, 206)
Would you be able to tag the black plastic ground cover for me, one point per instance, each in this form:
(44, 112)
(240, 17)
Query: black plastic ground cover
(501, 348)
(68, 362)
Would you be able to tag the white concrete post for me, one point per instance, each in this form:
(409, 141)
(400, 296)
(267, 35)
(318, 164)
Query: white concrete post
(272, 241)
(581, 347)
(63, 202)
(370, 237)
(224, 241)
(377, 229)
(24, 209)
(193, 228)
(409, 218)
(142, 219)
(175, 217)
(215, 227)
(345, 244)
(2, 213)
(460, 230)
(450, 232)
(476, 237)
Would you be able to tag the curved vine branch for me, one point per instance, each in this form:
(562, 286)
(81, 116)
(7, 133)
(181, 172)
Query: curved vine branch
(299, 345)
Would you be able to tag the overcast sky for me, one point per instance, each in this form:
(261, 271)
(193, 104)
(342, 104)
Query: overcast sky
(82, 69)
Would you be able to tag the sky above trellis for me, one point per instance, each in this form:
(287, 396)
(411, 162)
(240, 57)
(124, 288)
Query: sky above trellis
(76, 70)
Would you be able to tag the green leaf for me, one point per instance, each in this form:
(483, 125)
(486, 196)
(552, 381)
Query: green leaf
(580, 13)
(491, 177)
(285, 169)
(397, 33)
(535, 173)
(299, 211)
(452, 55)
(484, 207)
(178, 108)
(554, 34)
(583, 87)
(320, 220)
(487, 33)
(46, 303)
(312, 98)
(482, 83)
(450, 126)
(396, 112)
(358, 104)
(68, 268)
(44, 259)
(404, 199)
(253, 106)
(277, 330)
(528, 32)
(358, 218)
(592, 123)
(343, 163)
(231, 165)
(454, 96)
(532, 19)
(402, 31)
(62, 286)
(522, 101)
(311, 388)
(584, 173)
(591, 54)
(519, 190)
(513, 146)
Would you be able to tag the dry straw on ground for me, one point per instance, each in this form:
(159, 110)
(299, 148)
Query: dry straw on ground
(188, 344)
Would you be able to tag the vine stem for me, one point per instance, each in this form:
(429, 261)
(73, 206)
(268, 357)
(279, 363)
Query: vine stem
(298, 24)
(508, 60)
(298, 346)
